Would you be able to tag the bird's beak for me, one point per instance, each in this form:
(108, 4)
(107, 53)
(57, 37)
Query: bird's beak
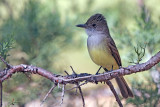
(82, 25)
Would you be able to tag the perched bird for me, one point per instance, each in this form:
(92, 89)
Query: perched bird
(103, 50)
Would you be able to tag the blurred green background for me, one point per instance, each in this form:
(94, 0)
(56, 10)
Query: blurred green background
(45, 35)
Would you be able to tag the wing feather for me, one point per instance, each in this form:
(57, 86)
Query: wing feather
(114, 51)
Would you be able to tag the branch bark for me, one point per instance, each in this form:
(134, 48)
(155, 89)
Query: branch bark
(83, 76)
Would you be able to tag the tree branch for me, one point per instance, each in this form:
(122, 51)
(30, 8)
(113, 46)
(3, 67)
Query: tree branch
(44, 99)
(62, 97)
(83, 76)
(80, 90)
(72, 79)
(5, 62)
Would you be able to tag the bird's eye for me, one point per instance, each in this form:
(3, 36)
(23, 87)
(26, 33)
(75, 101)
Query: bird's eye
(93, 25)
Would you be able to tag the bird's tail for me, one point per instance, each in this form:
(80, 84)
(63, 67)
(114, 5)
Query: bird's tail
(124, 88)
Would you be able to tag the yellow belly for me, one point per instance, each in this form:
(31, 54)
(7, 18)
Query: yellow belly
(103, 58)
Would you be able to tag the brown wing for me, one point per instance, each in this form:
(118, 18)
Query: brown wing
(124, 88)
(114, 51)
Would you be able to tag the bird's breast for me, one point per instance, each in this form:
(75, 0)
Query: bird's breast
(99, 51)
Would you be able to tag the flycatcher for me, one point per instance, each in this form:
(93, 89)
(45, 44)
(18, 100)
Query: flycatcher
(103, 50)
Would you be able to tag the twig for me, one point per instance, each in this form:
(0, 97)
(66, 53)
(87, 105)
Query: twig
(114, 92)
(80, 90)
(5, 62)
(1, 93)
(73, 70)
(77, 86)
(66, 72)
(59, 85)
(44, 99)
(3, 72)
(62, 97)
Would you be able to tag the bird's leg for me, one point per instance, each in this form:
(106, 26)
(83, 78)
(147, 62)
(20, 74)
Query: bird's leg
(105, 69)
(98, 73)
(111, 69)
(108, 70)
(98, 70)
